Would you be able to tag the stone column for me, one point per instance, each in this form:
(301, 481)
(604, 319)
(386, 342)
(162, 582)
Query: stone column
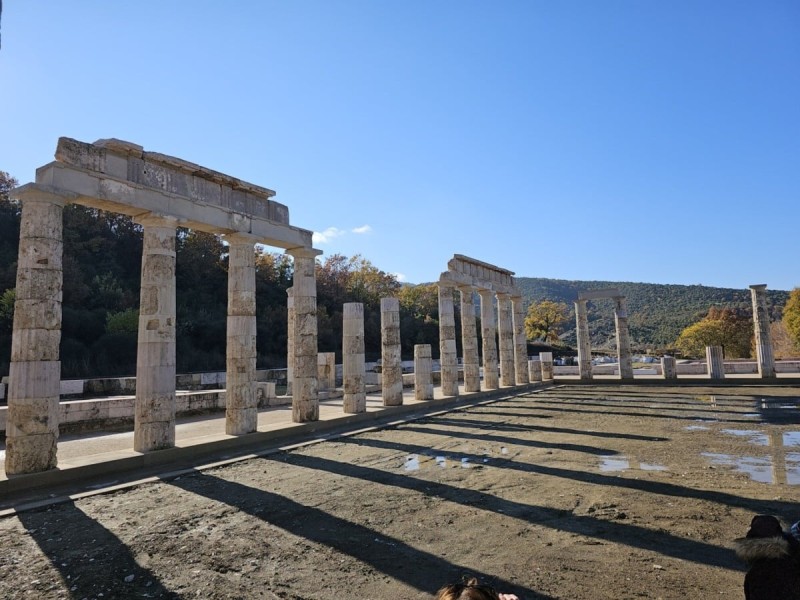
(355, 397)
(391, 367)
(469, 341)
(535, 370)
(505, 332)
(447, 342)
(489, 335)
(520, 341)
(35, 370)
(305, 402)
(716, 364)
(546, 358)
(584, 343)
(763, 339)
(623, 338)
(241, 402)
(668, 367)
(289, 340)
(423, 382)
(154, 415)
(326, 371)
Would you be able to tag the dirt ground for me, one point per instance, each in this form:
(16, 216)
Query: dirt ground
(571, 493)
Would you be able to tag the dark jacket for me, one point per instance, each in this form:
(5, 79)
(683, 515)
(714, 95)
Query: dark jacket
(774, 568)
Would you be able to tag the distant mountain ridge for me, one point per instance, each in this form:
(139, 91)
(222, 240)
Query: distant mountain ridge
(657, 313)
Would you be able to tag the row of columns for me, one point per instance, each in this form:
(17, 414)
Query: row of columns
(508, 328)
(35, 370)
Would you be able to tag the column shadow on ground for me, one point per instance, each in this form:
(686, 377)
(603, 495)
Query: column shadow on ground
(90, 559)
(391, 556)
(662, 543)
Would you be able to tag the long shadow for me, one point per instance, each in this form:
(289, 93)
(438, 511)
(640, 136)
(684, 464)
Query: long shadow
(651, 487)
(514, 440)
(526, 428)
(621, 533)
(92, 561)
(394, 557)
(661, 408)
(632, 414)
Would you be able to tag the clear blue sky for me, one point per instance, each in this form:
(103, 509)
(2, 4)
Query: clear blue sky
(632, 140)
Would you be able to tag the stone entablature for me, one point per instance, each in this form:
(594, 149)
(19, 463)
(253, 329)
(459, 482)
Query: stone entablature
(463, 270)
(122, 177)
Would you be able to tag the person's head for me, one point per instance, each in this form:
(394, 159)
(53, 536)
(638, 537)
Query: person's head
(470, 589)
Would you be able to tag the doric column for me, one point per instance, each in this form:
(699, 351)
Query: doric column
(469, 341)
(489, 335)
(584, 343)
(623, 338)
(535, 369)
(423, 383)
(391, 367)
(305, 402)
(766, 360)
(447, 342)
(715, 362)
(668, 367)
(520, 341)
(289, 340)
(35, 370)
(353, 367)
(546, 359)
(154, 415)
(505, 332)
(241, 403)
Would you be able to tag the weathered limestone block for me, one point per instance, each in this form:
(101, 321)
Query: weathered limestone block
(355, 398)
(623, 338)
(391, 369)
(535, 370)
(489, 334)
(716, 365)
(505, 332)
(35, 370)
(305, 386)
(289, 340)
(668, 367)
(763, 338)
(241, 400)
(469, 341)
(520, 341)
(326, 371)
(423, 366)
(447, 342)
(584, 342)
(154, 417)
(546, 360)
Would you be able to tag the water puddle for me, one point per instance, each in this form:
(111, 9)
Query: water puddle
(614, 464)
(759, 438)
(441, 462)
(793, 468)
(758, 468)
(791, 438)
(697, 428)
(503, 450)
(465, 463)
(651, 467)
(412, 463)
(751, 415)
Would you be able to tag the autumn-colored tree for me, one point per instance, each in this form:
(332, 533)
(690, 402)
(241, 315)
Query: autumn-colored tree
(791, 315)
(727, 327)
(545, 320)
(783, 346)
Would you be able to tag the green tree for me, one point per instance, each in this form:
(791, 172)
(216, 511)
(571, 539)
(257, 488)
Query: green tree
(727, 327)
(791, 315)
(545, 320)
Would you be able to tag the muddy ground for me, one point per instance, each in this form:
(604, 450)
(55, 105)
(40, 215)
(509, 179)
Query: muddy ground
(570, 493)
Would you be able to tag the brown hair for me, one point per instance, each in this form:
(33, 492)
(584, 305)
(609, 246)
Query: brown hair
(470, 589)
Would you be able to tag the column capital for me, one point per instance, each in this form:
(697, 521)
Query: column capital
(758, 287)
(155, 220)
(36, 192)
(303, 252)
(484, 292)
(503, 295)
(465, 289)
(240, 239)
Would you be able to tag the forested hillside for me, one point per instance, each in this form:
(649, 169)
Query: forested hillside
(657, 313)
